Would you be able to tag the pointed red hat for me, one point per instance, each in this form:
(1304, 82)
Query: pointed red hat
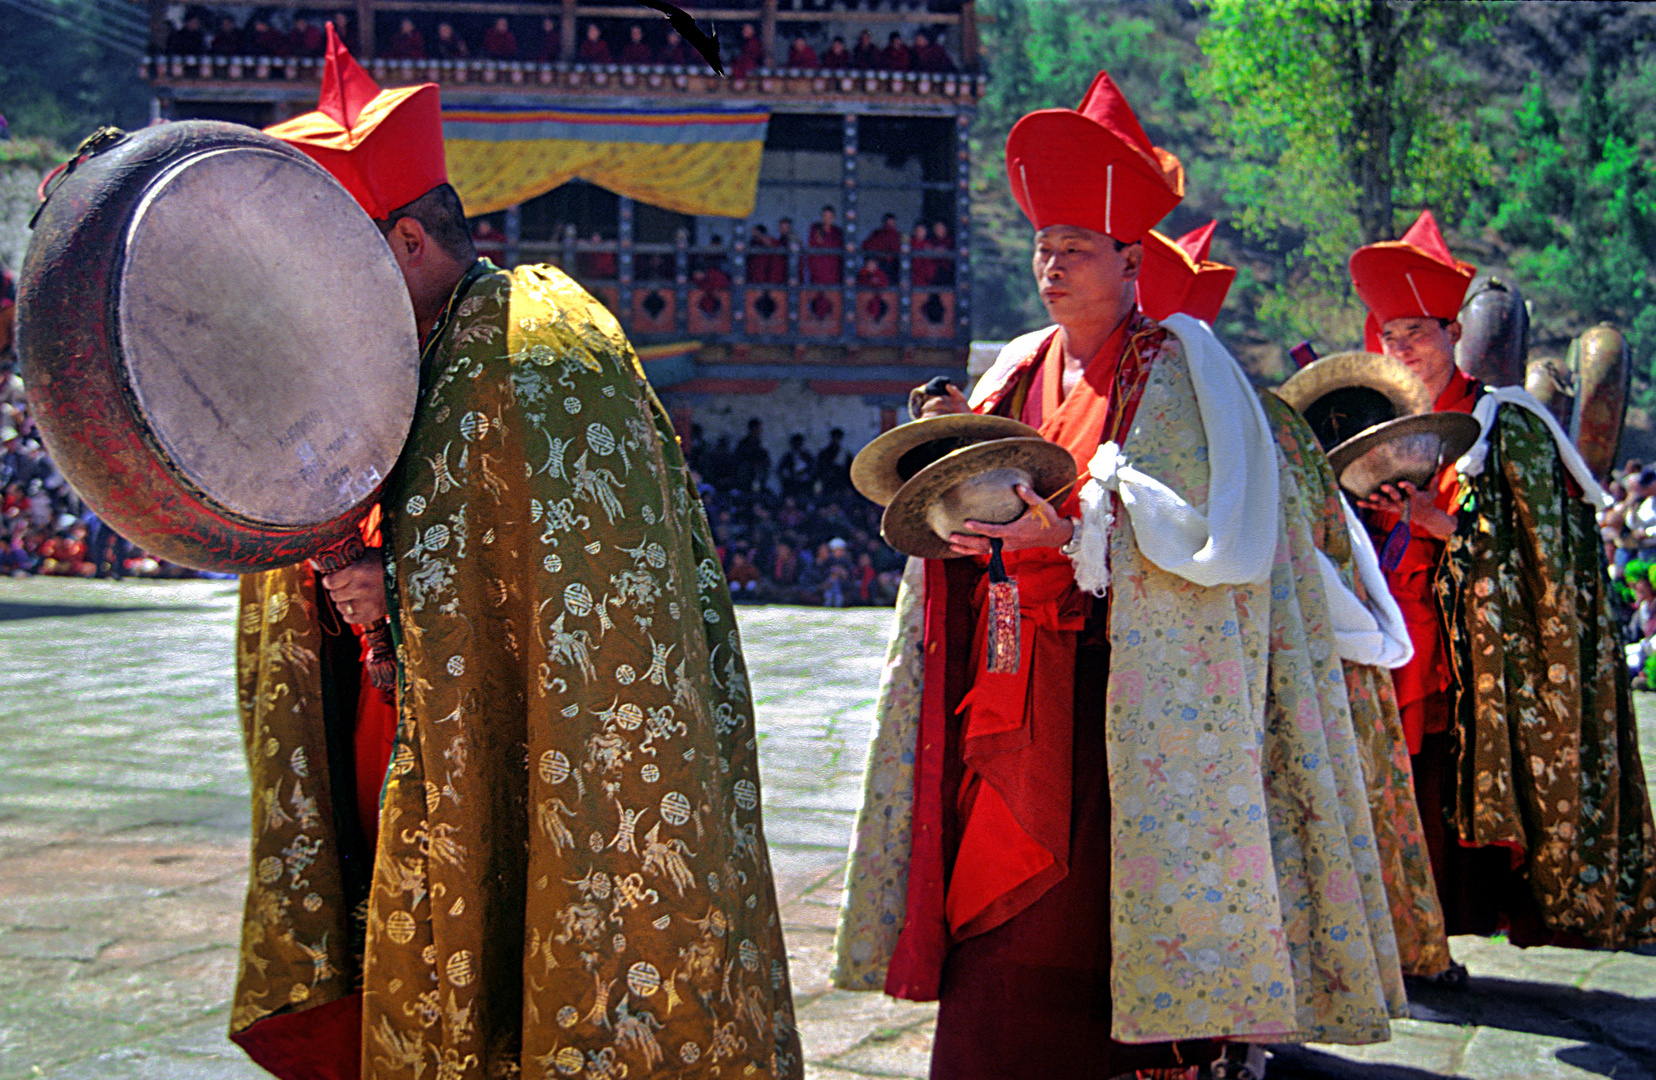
(384, 146)
(1177, 276)
(1093, 167)
(1415, 277)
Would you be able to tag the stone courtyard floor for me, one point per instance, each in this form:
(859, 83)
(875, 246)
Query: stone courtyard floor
(123, 858)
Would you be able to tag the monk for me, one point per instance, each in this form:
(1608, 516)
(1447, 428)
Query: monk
(570, 873)
(1515, 705)
(1098, 863)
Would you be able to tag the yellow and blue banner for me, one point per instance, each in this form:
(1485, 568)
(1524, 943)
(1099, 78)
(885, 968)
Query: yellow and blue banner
(701, 161)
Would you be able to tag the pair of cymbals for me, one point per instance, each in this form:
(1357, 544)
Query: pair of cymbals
(933, 475)
(1373, 417)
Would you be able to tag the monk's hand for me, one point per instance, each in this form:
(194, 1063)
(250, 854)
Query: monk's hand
(358, 590)
(1421, 507)
(946, 404)
(1040, 526)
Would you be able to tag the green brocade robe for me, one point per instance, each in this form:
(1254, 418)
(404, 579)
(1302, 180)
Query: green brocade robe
(1548, 751)
(571, 877)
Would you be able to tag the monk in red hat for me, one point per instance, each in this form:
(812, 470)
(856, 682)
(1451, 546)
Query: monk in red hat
(1096, 862)
(1516, 711)
(567, 873)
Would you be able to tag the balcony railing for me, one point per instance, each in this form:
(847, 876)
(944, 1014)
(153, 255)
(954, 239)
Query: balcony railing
(681, 79)
(707, 295)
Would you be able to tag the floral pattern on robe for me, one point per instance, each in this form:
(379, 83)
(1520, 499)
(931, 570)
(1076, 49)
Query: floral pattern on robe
(872, 915)
(1240, 908)
(1400, 842)
(1547, 746)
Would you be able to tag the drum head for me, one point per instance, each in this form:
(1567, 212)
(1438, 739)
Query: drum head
(267, 336)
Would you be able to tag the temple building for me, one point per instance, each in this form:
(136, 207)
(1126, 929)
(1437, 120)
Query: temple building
(789, 242)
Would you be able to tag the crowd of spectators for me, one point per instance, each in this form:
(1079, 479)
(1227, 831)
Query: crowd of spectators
(1628, 527)
(268, 32)
(44, 527)
(794, 531)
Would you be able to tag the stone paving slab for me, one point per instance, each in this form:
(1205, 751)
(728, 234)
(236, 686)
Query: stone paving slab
(123, 855)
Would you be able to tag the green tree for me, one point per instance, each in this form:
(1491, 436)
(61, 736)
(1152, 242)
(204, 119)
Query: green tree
(62, 77)
(1046, 54)
(1342, 118)
(1578, 208)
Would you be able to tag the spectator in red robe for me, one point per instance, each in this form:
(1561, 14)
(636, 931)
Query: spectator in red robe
(930, 55)
(922, 270)
(873, 276)
(895, 56)
(752, 54)
(712, 279)
(227, 39)
(942, 241)
(188, 40)
(889, 241)
(408, 43)
(596, 265)
(594, 50)
(786, 241)
(489, 241)
(866, 56)
(675, 51)
(635, 51)
(837, 58)
(822, 268)
(499, 43)
(761, 260)
(551, 41)
(450, 46)
(264, 40)
(801, 55)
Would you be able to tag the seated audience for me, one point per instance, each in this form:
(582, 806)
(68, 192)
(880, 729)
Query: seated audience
(408, 43)
(450, 46)
(499, 43)
(594, 50)
(837, 58)
(801, 55)
(636, 51)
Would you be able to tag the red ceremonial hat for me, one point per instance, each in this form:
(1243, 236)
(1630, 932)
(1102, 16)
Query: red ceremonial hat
(384, 146)
(1093, 167)
(1177, 276)
(1415, 277)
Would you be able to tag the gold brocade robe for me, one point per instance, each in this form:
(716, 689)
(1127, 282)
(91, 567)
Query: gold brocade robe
(571, 877)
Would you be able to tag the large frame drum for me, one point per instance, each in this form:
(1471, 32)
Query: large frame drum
(217, 345)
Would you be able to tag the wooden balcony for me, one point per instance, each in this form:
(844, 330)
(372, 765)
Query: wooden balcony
(736, 319)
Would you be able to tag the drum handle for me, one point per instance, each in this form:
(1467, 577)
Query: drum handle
(382, 663)
(95, 143)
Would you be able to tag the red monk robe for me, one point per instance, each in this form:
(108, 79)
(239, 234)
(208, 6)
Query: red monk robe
(1008, 889)
(1424, 684)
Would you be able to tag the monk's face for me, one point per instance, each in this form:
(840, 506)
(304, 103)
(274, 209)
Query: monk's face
(1082, 275)
(1426, 346)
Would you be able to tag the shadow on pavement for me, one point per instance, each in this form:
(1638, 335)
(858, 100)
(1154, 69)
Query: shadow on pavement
(1304, 1063)
(12, 611)
(1622, 1023)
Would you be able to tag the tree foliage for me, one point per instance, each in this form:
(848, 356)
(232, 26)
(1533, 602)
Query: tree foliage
(61, 83)
(1578, 208)
(1044, 55)
(1342, 120)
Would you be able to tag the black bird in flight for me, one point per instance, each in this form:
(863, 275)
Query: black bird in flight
(680, 20)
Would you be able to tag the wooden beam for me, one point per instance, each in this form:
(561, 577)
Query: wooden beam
(365, 29)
